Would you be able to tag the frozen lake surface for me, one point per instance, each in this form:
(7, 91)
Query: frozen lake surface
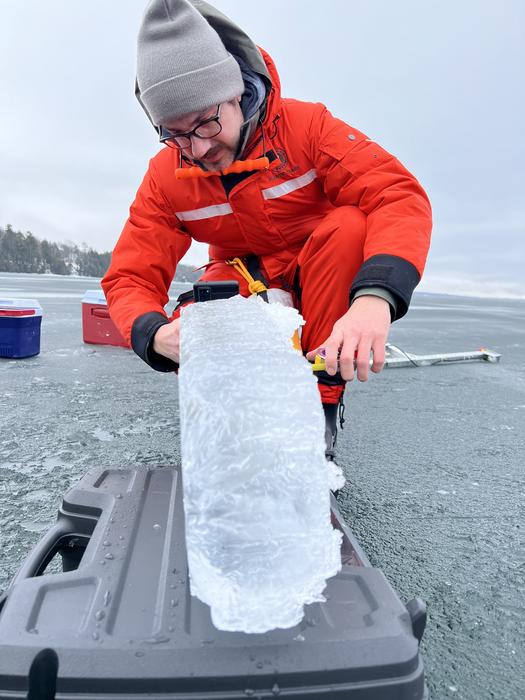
(434, 459)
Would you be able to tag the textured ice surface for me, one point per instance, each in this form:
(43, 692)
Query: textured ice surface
(256, 482)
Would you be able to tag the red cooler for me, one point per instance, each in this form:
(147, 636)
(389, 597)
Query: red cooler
(20, 321)
(97, 326)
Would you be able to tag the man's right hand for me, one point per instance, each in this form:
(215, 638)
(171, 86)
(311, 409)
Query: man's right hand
(166, 340)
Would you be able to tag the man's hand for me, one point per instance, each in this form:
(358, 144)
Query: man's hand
(166, 340)
(362, 329)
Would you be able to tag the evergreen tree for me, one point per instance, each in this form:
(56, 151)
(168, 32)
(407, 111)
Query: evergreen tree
(21, 252)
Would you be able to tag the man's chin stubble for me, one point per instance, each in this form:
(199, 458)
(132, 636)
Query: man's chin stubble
(219, 165)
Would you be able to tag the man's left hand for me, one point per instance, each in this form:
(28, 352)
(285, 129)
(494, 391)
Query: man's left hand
(362, 330)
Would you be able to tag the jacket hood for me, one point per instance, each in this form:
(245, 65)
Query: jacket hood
(239, 44)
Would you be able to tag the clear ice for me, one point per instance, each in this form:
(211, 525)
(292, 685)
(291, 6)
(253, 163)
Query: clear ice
(255, 479)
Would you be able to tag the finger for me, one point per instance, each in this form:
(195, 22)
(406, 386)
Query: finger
(363, 359)
(310, 356)
(331, 347)
(378, 348)
(347, 359)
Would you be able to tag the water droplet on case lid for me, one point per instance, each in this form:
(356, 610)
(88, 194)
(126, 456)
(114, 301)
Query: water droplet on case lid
(157, 639)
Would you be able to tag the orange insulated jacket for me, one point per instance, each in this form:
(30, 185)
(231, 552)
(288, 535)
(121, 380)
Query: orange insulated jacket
(317, 163)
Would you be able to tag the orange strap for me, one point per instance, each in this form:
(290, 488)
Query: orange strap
(254, 286)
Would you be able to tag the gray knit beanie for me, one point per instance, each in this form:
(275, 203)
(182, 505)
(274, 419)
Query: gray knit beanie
(182, 64)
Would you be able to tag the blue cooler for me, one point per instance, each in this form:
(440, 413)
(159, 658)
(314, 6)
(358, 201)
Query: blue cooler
(20, 321)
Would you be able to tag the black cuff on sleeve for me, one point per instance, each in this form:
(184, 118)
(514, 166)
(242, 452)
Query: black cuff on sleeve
(391, 272)
(142, 332)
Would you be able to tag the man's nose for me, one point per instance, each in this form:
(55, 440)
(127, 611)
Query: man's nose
(200, 147)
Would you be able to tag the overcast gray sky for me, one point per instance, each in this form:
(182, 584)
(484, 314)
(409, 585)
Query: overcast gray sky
(439, 83)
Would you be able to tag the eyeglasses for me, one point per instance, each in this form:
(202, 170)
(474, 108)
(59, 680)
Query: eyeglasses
(206, 129)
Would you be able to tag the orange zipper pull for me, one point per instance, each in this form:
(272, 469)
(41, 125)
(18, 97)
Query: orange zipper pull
(243, 166)
(239, 166)
(188, 173)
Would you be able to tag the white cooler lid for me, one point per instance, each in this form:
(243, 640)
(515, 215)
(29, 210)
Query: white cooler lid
(21, 305)
(94, 296)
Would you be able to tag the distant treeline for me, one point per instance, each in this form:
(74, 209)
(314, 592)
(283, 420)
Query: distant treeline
(23, 252)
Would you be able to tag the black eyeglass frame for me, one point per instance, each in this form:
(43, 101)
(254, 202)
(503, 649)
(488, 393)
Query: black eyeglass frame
(169, 138)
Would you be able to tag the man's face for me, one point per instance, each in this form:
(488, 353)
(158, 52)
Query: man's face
(217, 152)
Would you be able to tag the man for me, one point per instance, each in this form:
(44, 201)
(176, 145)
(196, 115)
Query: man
(309, 203)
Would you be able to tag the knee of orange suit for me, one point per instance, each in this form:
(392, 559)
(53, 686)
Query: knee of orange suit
(333, 254)
(344, 227)
(326, 268)
(348, 215)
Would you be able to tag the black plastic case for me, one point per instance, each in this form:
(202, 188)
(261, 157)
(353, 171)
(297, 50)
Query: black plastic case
(123, 623)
